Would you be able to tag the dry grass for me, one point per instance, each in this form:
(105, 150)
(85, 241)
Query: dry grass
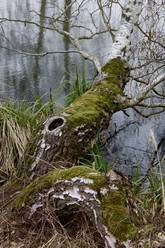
(14, 139)
(17, 122)
(159, 177)
(72, 231)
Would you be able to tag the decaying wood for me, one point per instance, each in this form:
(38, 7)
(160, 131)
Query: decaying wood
(33, 210)
(65, 136)
(54, 189)
(106, 200)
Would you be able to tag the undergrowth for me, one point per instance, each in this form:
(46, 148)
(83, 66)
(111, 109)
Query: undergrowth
(78, 87)
(150, 188)
(18, 120)
(94, 159)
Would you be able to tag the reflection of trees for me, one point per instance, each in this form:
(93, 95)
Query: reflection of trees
(66, 28)
(26, 80)
(39, 47)
(67, 22)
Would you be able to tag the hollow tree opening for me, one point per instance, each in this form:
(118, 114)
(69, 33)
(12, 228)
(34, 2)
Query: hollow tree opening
(55, 123)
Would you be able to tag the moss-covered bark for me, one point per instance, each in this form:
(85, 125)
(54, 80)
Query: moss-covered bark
(56, 191)
(66, 135)
(103, 199)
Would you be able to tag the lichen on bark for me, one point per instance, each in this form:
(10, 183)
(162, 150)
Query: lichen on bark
(106, 199)
(103, 198)
(78, 124)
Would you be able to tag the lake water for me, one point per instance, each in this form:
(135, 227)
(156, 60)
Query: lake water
(26, 77)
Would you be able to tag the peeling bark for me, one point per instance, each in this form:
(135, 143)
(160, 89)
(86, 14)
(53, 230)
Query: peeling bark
(55, 190)
(107, 201)
(65, 136)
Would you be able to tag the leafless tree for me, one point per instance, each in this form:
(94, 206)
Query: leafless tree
(138, 39)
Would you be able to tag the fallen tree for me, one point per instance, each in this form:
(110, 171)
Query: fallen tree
(66, 136)
(106, 200)
(47, 193)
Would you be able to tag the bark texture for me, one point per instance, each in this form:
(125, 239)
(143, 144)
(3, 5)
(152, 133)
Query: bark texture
(106, 200)
(57, 193)
(65, 136)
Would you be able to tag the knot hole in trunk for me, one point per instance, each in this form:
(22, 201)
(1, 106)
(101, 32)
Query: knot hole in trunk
(55, 123)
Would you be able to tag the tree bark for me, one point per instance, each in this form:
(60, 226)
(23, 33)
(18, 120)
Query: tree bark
(55, 193)
(65, 136)
(106, 200)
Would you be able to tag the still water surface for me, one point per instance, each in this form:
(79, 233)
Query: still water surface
(25, 77)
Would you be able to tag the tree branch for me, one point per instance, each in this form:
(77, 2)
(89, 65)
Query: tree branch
(146, 90)
(148, 115)
(149, 37)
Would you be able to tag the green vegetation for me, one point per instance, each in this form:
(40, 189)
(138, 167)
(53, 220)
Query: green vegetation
(137, 180)
(46, 181)
(79, 87)
(150, 188)
(98, 102)
(114, 67)
(116, 71)
(95, 159)
(113, 202)
(18, 120)
(116, 217)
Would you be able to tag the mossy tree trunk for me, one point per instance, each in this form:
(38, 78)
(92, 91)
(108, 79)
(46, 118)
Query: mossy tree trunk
(65, 136)
(107, 200)
(65, 195)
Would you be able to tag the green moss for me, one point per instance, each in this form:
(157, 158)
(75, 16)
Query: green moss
(32, 146)
(113, 203)
(10, 183)
(114, 67)
(99, 182)
(97, 102)
(115, 216)
(46, 181)
(29, 156)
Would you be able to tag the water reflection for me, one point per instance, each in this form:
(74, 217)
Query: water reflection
(66, 28)
(25, 77)
(39, 48)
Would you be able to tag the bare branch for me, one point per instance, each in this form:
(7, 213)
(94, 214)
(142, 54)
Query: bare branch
(151, 105)
(92, 35)
(54, 27)
(79, 48)
(39, 54)
(105, 20)
(26, 22)
(149, 37)
(146, 90)
(148, 115)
